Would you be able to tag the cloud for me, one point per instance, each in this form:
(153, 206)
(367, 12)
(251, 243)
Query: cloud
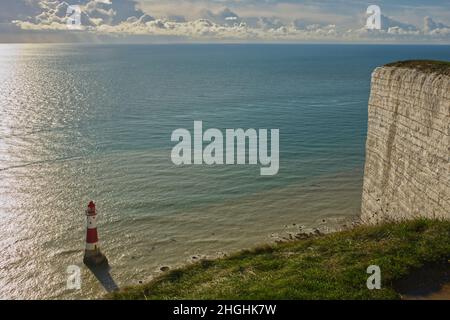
(388, 22)
(431, 26)
(122, 18)
(17, 10)
(224, 16)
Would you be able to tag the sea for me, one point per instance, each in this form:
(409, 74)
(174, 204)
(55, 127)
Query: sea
(84, 122)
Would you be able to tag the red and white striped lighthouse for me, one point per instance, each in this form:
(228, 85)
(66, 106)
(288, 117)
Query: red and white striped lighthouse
(92, 253)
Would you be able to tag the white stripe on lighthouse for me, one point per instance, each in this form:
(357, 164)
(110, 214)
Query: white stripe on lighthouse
(91, 246)
(91, 222)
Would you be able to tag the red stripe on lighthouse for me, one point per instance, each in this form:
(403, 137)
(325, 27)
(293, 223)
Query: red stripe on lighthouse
(91, 236)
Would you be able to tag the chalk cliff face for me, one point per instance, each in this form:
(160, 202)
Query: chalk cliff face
(407, 150)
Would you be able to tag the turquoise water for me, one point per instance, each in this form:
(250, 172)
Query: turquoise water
(82, 122)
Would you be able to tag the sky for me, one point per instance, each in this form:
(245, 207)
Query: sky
(401, 21)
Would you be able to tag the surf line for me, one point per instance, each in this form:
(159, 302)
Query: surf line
(231, 151)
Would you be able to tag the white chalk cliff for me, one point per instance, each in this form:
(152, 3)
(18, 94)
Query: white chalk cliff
(407, 150)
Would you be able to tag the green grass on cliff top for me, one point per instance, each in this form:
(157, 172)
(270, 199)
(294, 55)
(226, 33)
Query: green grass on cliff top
(429, 66)
(329, 266)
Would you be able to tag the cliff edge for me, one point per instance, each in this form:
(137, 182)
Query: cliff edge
(407, 150)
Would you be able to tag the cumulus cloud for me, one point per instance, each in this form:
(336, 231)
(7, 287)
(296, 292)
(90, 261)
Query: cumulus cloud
(94, 12)
(17, 9)
(124, 18)
(224, 16)
(433, 27)
(388, 22)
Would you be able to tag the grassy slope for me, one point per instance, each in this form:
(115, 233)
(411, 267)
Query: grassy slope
(429, 66)
(321, 267)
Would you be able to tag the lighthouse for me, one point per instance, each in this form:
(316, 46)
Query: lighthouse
(92, 253)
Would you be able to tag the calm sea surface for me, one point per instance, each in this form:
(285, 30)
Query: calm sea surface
(82, 122)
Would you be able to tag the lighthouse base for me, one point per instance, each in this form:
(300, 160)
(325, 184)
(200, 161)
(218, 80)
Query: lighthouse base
(94, 258)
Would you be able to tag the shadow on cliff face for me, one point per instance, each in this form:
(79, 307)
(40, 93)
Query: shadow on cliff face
(431, 282)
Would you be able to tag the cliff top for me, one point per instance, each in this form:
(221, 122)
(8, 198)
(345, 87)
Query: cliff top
(428, 66)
